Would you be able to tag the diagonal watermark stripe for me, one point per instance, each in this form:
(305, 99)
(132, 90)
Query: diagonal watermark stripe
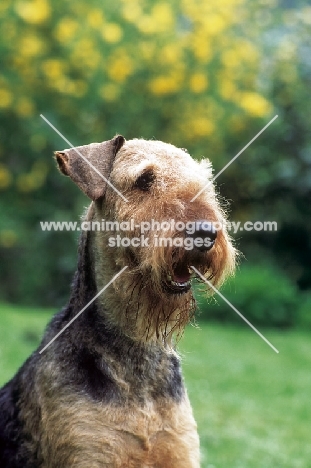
(85, 307)
(84, 158)
(234, 158)
(235, 310)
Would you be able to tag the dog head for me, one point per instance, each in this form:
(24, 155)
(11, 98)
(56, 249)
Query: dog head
(152, 220)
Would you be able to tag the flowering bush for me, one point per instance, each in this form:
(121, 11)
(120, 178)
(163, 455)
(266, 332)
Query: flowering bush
(204, 75)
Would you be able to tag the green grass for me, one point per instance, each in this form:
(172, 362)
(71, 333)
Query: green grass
(21, 329)
(252, 405)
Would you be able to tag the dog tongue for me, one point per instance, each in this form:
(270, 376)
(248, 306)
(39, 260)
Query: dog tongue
(181, 274)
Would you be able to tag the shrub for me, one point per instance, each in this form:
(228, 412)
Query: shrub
(262, 293)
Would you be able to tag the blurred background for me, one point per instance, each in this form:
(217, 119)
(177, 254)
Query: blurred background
(206, 76)
(203, 75)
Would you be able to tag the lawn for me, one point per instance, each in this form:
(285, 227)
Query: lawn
(253, 406)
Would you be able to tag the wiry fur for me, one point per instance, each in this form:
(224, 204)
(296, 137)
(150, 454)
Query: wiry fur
(178, 178)
(108, 393)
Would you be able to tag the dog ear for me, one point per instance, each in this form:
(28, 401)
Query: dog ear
(89, 166)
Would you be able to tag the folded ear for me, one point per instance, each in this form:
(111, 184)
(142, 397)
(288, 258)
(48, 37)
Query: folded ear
(89, 166)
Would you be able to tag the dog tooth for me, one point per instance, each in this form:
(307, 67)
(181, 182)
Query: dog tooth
(180, 285)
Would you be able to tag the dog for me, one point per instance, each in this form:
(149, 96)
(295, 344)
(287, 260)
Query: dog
(105, 389)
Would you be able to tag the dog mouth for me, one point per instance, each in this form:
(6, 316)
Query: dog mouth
(179, 282)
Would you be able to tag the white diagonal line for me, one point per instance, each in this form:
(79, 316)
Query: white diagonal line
(235, 310)
(78, 152)
(85, 307)
(234, 158)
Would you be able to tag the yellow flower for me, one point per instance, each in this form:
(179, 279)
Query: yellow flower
(198, 82)
(163, 17)
(30, 46)
(8, 238)
(131, 12)
(170, 54)
(85, 55)
(201, 127)
(160, 20)
(120, 66)
(66, 29)
(6, 98)
(24, 107)
(194, 125)
(201, 47)
(230, 59)
(33, 11)
(64, 85)
(5, 177)
(164, 85)
(254, 104)
(146, 24)
(242, 52)
(112, 33)
(213, 24)
(54, 68)
(191, 9)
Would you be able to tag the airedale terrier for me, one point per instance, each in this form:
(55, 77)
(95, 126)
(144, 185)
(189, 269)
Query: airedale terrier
(108, 392)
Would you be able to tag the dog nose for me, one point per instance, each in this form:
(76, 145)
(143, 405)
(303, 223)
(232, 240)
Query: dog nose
(204, 235)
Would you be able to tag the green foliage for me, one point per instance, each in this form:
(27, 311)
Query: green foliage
(304, 320)
(263, 294)
(205, 76)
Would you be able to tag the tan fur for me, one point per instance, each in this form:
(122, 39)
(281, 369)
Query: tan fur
(156, 433)
(179, 179)
(91, 435)
(131, 409)
(76, 432)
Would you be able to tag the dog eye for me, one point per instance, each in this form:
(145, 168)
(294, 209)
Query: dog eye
(145, 181)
